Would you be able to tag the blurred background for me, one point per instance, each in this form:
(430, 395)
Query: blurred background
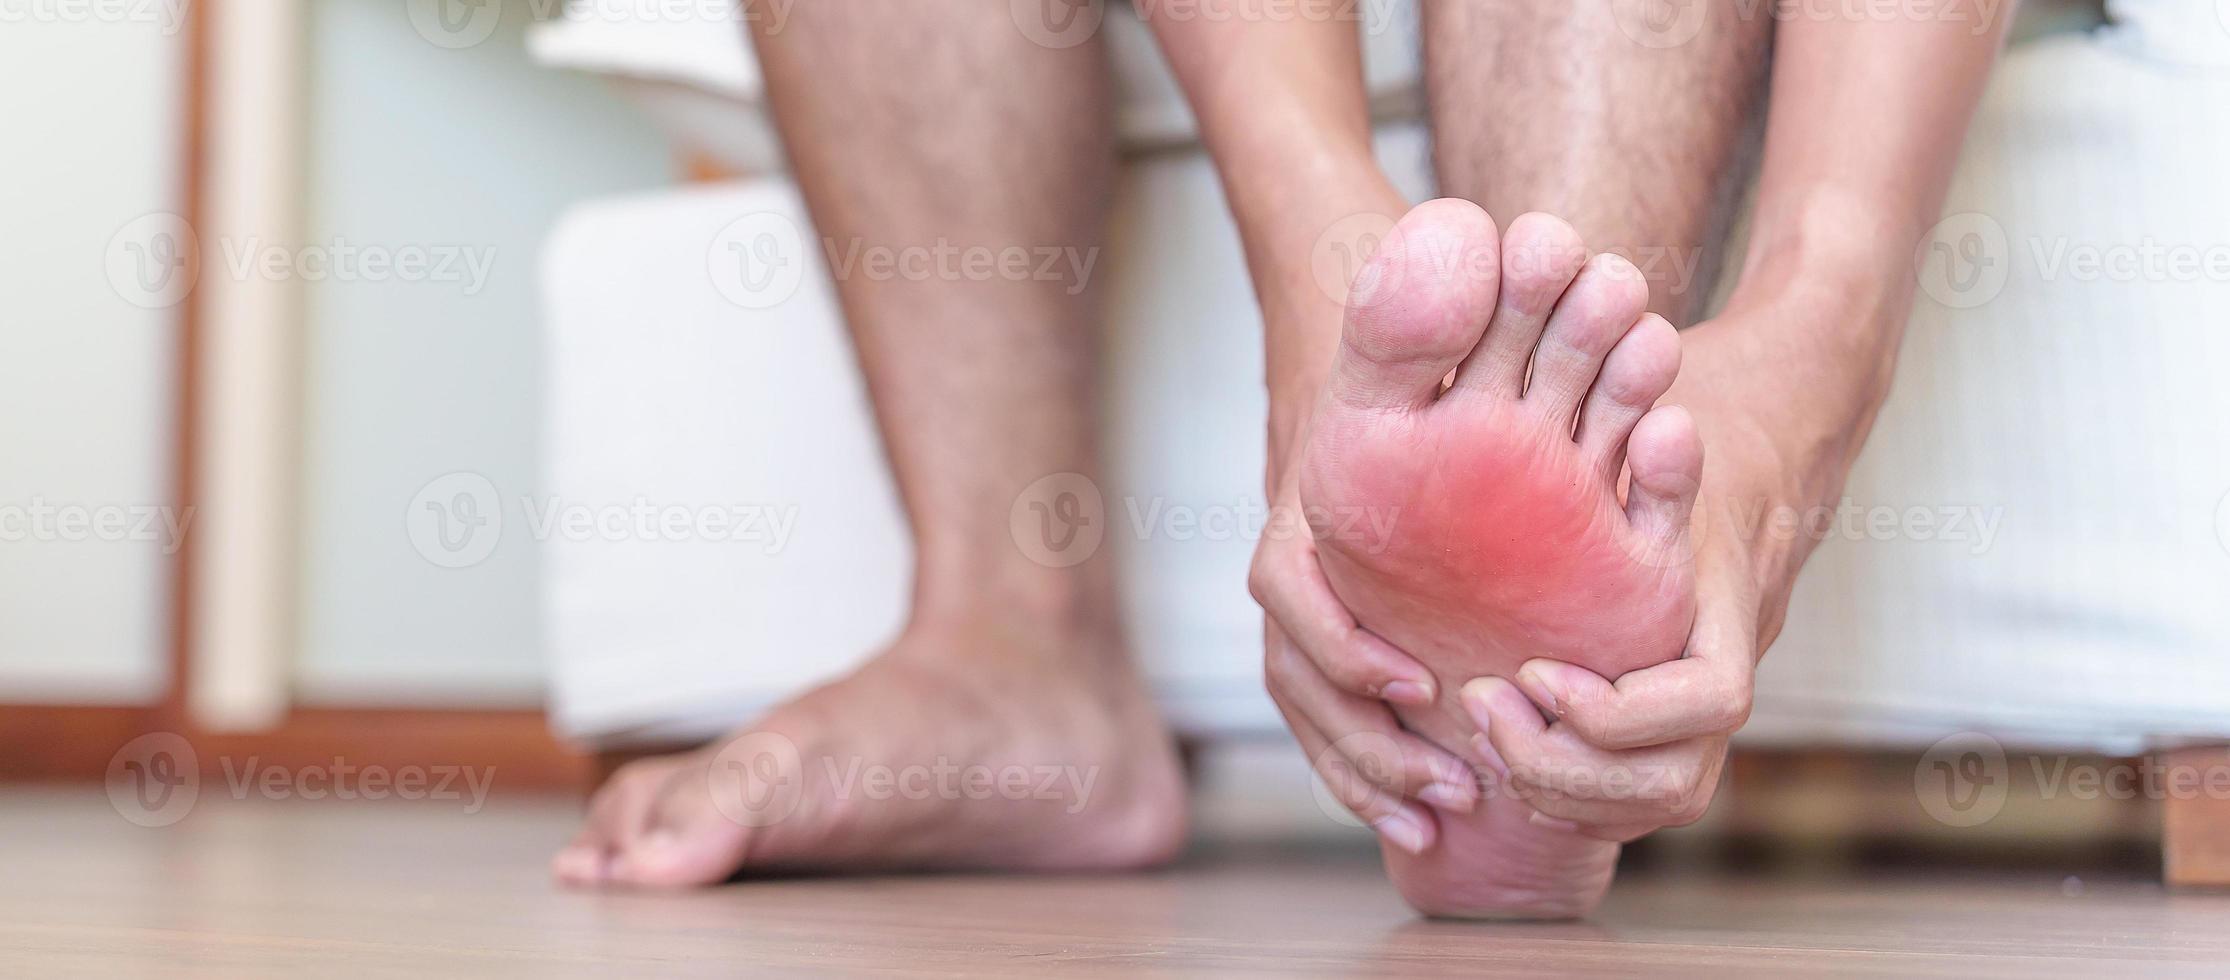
(348, 345)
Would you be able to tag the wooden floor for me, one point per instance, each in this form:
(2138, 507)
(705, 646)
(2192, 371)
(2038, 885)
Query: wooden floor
(337, 890)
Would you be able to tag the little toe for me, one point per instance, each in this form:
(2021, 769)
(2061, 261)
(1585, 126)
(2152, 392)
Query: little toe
(1665, 459)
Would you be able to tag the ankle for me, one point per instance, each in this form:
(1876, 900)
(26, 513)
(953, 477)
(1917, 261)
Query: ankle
(1064, 605)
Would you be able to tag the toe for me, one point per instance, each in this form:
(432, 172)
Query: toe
(1665, 458)
(617, 809)
(1602, 303)
(1540, 256)
(1639, 370)
(685, 841)
(1417, 308)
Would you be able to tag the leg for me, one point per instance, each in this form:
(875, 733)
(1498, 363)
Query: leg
(1564, 108)
(1007, 726)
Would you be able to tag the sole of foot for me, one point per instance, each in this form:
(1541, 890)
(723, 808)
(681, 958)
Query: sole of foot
(1490, 483)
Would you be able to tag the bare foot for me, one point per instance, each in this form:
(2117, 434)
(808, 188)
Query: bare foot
(1480, 526)
(975, 745)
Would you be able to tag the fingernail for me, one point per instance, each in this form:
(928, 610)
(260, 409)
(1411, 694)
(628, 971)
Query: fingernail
(1408, 692)
(1546, 822)
(1474, 700)
(1488, 755)
(1545, 692)
(1448, 796)
(1403, 831)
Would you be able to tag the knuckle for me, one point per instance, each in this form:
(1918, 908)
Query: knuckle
(1260, 582)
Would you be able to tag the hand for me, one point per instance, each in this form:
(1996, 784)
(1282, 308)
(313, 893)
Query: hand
(1332, 680)
(1617, 761)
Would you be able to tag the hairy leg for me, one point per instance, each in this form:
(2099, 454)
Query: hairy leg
(917, 132)
(1640, 132)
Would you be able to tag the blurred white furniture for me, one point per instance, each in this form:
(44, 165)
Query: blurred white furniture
(2073, 421)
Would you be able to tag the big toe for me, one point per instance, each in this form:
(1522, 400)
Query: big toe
(1418, 307)
(686, 842)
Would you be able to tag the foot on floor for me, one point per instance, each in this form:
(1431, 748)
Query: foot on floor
(980, 745)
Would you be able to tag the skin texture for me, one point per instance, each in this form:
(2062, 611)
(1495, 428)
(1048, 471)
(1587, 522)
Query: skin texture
(981, 386)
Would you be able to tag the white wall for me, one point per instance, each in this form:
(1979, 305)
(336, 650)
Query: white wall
(414, 144)
(92, 113)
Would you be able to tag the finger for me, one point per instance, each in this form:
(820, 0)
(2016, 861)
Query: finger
(1291, 587)
(1404, 825)
(1704, 693)
(1367, 733)
(1563, 777)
